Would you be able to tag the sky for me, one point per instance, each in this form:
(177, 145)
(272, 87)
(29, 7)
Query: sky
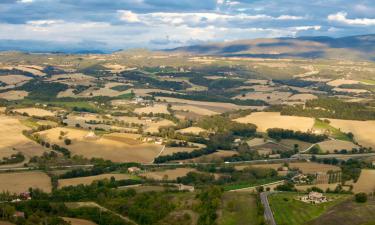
(109, 25)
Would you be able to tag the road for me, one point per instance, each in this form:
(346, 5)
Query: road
(267, 209)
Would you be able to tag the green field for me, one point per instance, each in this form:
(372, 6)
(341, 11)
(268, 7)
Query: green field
(348, 213)
(290, 211)
(239, 209)
(257, 182)
(334, 132)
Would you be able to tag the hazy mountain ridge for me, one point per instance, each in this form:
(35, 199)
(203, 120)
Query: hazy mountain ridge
(353, 47)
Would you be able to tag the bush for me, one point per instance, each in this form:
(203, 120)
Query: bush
(361, 197)
(67, 141)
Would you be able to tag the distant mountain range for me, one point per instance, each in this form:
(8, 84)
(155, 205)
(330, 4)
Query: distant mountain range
(353, 48)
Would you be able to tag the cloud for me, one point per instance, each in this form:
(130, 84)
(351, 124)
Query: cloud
(44, 22)
(128, 16)
(341, 17)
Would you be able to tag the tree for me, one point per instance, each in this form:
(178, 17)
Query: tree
(361, 197)
(67, 141)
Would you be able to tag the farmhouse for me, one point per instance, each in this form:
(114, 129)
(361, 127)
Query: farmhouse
(134, 169)
(314, 198)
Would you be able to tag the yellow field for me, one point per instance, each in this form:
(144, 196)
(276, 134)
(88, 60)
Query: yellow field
(171, 150)
(88, 180)
(14, 79)
(338, 82)
(21, 182)
(11, 128)
(305, 167)
(366, 182)
(332, 145)
(14, 95)
(35, 112)
(192, 130)
(195, 109)
(169, 174)
(266, 120)
(118, 147)
(75, 221)
(364, 131)
(156, 108)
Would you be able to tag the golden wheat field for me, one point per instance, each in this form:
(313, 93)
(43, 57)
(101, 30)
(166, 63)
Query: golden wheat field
(332, 145)
(266, 120)
(14, 95)
(90, 179)
(366, 182)
(21, 181)
(34, 112)
(118, 147)
(171, 174)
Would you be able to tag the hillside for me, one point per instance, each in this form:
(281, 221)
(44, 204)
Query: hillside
(352, 47)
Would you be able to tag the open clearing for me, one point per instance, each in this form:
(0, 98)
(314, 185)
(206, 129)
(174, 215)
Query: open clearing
(366, 182)
(14, 79)
(339, 82)
(75, 221)
(192, 130)
(195, 109)
(288, 210)
(305, 167)
(14, 95)
(118, 147)
(364, 131)
(238, 208)
(34, 112)
(218, 107)
(214, 157)
(156, 108)
(90, 179)
(266, 120)
(11, 128)
(275, 97)
(302, 97)
(332, 145)
(21, 182)
(169, 174)
(348, 213)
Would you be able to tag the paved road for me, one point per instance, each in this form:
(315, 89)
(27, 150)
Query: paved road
(267, 209)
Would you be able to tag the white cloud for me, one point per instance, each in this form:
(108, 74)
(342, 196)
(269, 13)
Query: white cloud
(304, 28)
(341, 17)
(199, 19)
(25, 1)
(128, 16)
(44, 22)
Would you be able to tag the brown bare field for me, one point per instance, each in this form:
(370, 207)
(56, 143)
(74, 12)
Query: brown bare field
(14, 79)
(262, 88)
(149, 125)
(75, 221)
(217, 156)
(171, 150)
(332, 145)
(274, 97)
(348, 90)
(266, 120)
(35, 70)
(22, 181)
(170, 174)
(219, 107)
(118, 147)
(338, 82)
(73, 79)
(256, 141)
(2, 109)
(324, 187)
(88, 180)
(34, 112)
(12, 138)
(194, 109)
(364, 131)
(302, 97)
(291, 142)
(366, 182)
(156, 108)
(305, 167)
(14, 95)
(192, 130)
